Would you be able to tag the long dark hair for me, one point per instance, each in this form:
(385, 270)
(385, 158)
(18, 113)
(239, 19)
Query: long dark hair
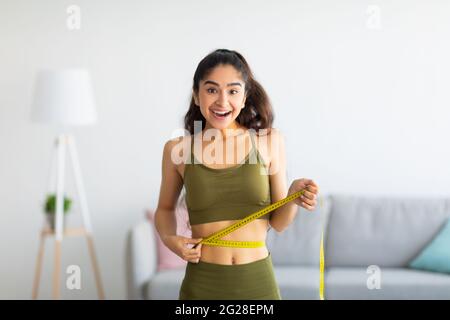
(257, 113)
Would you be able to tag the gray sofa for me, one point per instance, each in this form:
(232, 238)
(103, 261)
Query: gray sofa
(369, 242)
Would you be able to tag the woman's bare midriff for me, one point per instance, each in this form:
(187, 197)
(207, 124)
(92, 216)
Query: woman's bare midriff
(254, 231)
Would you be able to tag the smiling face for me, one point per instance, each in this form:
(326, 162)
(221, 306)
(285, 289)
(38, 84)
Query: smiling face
(221, 97)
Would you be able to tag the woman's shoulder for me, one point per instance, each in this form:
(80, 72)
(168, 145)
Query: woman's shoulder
(177, 141)
(177, 148)
(268, 142)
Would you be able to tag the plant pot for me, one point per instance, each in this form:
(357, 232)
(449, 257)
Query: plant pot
(51, 221)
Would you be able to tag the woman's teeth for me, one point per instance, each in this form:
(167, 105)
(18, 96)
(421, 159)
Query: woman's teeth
(221, 114)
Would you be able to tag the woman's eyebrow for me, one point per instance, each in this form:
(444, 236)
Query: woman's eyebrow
(228, 85)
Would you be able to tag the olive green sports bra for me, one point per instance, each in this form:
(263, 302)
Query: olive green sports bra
(229, 193)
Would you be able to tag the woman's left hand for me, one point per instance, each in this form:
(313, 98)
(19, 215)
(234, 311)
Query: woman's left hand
(308, 199)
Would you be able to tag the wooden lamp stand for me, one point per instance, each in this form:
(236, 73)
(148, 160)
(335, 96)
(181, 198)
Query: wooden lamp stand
(62, 142)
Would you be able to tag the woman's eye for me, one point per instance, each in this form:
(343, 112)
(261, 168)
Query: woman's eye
(212, 90)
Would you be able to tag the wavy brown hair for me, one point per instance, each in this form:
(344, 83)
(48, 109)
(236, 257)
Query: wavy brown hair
(257, 113)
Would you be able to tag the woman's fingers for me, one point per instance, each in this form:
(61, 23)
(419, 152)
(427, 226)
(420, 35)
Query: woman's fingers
(307, 206)
(193, 251)
(189, 255)
(310, 182)
(312, 188)
(308, 200)
(194, 241)
(194, 259)
(311, 203)
(309, 195)
(193, 254)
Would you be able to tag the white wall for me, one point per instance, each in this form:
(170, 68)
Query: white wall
(364, 110)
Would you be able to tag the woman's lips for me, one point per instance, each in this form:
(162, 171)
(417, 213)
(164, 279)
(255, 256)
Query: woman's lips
(217, 114)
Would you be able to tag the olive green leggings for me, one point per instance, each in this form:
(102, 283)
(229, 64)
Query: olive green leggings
(248, 281)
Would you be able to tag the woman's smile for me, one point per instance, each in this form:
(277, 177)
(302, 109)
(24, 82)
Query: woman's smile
(221, 115)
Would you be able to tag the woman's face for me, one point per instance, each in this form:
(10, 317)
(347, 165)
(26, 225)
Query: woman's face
(221, 97)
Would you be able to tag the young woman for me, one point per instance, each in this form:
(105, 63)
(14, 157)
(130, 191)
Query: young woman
(229, 102)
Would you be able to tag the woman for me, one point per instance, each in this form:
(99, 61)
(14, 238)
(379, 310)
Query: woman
(228, 108)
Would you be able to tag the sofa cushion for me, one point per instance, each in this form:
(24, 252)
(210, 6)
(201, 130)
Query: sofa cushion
(395, 283)
(299, 243)
(298, 282)
(381, 231)
(165, 285)
(436, 255)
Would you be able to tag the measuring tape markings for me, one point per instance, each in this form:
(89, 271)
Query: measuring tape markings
(213, 240)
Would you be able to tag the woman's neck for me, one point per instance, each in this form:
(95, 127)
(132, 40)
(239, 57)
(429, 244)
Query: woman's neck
(233, 130)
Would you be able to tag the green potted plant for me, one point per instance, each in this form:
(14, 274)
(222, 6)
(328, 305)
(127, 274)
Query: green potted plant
(50, 209)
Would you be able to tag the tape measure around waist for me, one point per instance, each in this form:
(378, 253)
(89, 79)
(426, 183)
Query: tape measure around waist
(214, 239)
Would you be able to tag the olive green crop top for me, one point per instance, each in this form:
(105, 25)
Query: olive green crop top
(229, 193)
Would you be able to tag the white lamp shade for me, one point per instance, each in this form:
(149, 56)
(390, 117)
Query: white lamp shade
(64, 97)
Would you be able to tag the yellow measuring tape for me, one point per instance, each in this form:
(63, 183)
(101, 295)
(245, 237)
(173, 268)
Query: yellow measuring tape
(214, 239)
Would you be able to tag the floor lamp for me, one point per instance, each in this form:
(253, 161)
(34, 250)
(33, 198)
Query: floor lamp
(64, 98)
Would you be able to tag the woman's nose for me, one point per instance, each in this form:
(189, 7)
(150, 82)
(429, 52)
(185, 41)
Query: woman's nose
(222, 99)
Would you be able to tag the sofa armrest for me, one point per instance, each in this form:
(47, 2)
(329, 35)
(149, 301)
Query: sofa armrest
(141, 259)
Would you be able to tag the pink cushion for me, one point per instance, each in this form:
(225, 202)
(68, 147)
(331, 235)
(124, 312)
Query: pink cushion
(166, 258)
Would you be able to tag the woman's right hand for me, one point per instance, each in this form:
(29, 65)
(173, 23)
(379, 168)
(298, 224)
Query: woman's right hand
(179, 245)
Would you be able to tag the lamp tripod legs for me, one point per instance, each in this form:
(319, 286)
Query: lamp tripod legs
(98, 281)
(57, 270)
(37, 274)
(57, 182)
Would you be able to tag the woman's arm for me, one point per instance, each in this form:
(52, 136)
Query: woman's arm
(282, 217)
(165, 220)
(171, 185)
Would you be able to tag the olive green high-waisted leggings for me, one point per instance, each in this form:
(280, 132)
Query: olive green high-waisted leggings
(248, 281)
